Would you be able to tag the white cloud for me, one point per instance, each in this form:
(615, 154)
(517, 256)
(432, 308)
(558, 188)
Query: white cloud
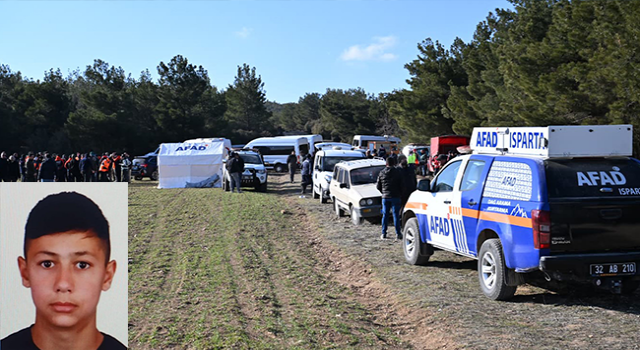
(244, 32)
(377, 51)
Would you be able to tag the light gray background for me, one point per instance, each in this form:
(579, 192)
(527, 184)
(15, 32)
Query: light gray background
(16, 201)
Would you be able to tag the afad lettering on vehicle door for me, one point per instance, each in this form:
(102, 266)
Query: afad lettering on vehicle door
(449, 229)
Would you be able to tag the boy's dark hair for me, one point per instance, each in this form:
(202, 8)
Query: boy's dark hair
(63, 212)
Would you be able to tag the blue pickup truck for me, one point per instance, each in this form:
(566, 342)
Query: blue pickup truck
(562, 200)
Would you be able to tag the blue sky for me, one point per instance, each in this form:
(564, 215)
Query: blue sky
(296, 46)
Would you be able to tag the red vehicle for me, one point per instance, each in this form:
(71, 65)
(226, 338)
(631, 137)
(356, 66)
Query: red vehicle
(444, 148)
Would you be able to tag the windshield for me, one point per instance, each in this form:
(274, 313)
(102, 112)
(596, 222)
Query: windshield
(328, 163)
(363, 176)
(251, 158)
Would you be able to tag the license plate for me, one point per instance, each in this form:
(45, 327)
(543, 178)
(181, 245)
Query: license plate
(613, 269)
(247, 177)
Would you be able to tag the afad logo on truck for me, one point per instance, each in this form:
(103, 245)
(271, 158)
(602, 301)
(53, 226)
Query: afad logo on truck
(517, 139)
(189, 147)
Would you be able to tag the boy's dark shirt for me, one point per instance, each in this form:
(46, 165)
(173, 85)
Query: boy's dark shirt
(22, 340)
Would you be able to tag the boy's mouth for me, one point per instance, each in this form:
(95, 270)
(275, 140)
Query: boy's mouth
(63, 307)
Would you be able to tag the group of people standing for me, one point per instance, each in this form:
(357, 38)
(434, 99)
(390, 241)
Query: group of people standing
(47, 167)
(306, 169)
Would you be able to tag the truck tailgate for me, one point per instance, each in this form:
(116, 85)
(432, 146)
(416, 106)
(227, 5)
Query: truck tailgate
(583, 226)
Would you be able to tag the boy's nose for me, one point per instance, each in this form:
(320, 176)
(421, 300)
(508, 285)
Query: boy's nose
(64, 281)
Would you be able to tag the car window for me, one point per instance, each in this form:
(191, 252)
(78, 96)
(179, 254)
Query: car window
(152, 160)
(597, 177)
(472, 175)
(250, 158)
(363, 176)
(280, 150)
(340, 172)
(509, 180)
(335, 173)
(446, 178)
(329, 163)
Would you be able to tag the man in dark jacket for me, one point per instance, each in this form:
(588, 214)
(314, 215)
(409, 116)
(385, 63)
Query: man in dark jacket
(390, 185)
(47, 171)
(236, 167)
(87, 169)
(4, 167)
(306, 173)
(14, 168)
(409, 180)
(292, 163)
(30, 169)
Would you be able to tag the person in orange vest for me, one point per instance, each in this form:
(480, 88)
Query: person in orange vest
(116, 158)
(105, 169)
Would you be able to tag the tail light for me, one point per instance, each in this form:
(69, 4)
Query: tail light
(144, 165)
(541, 221)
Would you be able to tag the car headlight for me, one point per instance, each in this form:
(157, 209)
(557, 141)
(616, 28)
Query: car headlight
(369, 201)
(261, 171)
(327, 178)
(363, 202)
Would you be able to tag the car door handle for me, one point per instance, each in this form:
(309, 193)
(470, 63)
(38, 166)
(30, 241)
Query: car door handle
(472, 202)
(447, 202)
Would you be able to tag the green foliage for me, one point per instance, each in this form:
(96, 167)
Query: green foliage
(419, 110)
(542, 62)
(247, 113)
(346, 113)
(188, 105)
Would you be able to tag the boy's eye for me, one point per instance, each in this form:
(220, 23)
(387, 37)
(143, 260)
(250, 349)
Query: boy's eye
(47, 264)
(82, 265)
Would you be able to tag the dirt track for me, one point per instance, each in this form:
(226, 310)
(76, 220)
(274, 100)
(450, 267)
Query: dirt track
(440, 306)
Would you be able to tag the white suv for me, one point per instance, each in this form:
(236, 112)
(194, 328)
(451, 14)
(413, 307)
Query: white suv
(254, 174)
(353, 189)
(325, 161)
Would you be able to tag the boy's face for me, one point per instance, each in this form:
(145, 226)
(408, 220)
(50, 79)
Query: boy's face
(66, 273)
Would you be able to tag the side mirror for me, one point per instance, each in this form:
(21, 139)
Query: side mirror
(343, 185)
(424, 185)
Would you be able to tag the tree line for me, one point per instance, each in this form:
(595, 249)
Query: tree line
(543, 62)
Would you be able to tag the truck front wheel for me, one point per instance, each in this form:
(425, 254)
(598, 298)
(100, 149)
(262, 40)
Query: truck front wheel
(412, 245)
(492, 271)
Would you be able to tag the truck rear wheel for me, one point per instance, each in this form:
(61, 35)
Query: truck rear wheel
(412, 245)
(279, 168)
(492, 271)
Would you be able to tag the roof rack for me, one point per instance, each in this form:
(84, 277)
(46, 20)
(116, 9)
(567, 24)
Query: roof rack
(555, 141)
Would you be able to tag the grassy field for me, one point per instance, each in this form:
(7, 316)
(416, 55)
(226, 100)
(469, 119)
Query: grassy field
(215, 270)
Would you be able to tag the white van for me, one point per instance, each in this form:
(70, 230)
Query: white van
(362, 141)
(325, 161)
(312, 139)
(275, 150)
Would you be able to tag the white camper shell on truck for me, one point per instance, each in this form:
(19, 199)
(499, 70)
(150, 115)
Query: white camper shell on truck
(275, 150)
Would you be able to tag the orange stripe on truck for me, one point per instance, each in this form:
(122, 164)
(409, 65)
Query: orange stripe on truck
(416, 205)
(506, 219)
(481, 215)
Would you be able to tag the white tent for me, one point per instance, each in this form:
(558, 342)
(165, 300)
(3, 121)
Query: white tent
(182, 164)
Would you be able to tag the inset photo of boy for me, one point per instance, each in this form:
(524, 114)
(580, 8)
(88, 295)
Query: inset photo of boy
(63, 266)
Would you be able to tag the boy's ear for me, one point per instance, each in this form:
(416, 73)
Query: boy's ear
(108, 275)
(24, 272)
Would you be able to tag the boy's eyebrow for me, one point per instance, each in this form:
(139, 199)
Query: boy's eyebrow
(81, 253)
